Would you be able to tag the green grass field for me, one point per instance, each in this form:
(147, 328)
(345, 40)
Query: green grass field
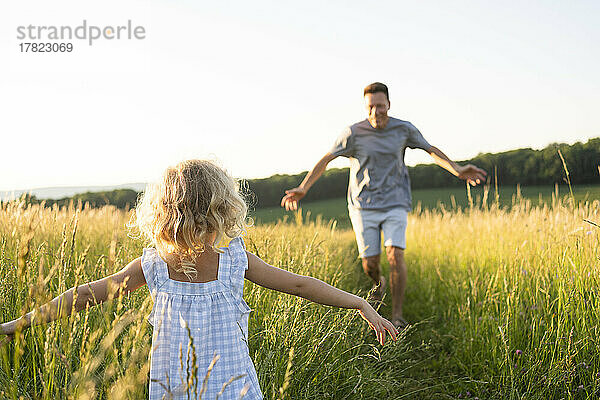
(504, 305)
(447, 198)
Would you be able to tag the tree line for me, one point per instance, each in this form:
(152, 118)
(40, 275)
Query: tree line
(526, 167)
(120, 198)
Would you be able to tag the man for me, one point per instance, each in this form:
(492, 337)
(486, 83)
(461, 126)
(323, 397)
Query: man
(379, 197)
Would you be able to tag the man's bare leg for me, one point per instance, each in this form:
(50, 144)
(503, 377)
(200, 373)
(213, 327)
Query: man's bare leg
(395, 256)
(371, 266)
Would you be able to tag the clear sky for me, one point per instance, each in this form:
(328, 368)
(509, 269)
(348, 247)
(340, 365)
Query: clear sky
(266, 86)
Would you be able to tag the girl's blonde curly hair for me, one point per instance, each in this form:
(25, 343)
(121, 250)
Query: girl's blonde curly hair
(195, 200)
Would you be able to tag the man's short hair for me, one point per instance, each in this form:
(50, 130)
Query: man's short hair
(377, 87)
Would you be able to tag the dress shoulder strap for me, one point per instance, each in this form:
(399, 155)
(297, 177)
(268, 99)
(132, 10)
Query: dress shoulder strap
(238, 265)
(154, 269)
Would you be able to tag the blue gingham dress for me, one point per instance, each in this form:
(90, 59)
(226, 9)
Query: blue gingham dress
(217, 318)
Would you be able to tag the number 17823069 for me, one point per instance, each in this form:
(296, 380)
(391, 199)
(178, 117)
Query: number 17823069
(46, 47)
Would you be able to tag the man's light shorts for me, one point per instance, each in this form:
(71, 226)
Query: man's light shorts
(368, 225)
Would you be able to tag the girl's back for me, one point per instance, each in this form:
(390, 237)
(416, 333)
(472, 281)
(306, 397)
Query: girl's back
(196, 322)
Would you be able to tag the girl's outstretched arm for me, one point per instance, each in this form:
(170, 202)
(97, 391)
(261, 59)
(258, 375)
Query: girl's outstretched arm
(316, 290)
(129, 278)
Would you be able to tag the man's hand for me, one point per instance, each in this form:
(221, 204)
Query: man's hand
(292, 197)
(471, 174)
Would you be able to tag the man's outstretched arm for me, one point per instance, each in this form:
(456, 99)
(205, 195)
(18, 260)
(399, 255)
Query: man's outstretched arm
(469, 172)
(293, 196)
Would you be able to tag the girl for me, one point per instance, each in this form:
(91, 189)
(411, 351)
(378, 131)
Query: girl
(196, 287)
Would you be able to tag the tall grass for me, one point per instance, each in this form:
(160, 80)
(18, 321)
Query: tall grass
(512, 297)
(103, 352)
(504, 304)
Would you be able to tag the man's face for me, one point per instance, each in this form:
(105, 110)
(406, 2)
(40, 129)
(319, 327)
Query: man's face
(377, 106)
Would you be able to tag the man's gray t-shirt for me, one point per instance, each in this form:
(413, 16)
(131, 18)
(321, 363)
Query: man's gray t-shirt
(378, 177)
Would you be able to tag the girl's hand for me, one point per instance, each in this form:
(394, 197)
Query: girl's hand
(377, 322)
